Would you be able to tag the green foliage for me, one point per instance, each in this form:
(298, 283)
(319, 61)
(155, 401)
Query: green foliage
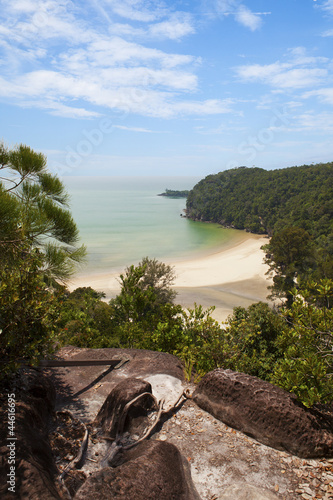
(38, 240)
(34, 213)
(143, 305)
(305, 366)
(84, 319)
(295, 205)
(267, 200)
(202, 341)
(192, 335)
(144, 290)
(27, 311)
(293, 348)
(172, 193)
(289, 255)
(250, 337)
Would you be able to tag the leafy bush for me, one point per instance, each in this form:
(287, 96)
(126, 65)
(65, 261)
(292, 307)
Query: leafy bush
(250, 338)
(305, 366)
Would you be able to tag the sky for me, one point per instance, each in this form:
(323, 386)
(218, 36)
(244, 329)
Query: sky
(140, 87)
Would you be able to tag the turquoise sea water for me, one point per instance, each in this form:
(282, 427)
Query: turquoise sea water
(122, 219)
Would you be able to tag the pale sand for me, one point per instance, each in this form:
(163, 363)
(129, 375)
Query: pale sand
(230, 277)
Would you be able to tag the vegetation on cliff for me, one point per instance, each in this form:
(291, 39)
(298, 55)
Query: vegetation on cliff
(293, 205)
(264, 201)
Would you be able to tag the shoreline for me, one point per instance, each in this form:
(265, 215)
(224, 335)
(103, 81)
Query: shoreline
(225, 277)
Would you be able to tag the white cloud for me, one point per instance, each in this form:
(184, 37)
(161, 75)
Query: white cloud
(59, 109)
(176, 27)
(111, 51)
(137, 10)
(298, 78)
(242, 14)
(50, 86)
(328, 6)
(327, 33)
(76, 70)
(135, 129)
(298, 72)
(325, 94)
(315, 122)
(208, 107)
(250, 20)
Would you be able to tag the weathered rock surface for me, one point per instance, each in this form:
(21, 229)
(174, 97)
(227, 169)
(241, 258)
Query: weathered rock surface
(83, 389)
(153, 470)
(108, 417)
(35, 470)
(225, 463)
(246, 492)
(265, 412)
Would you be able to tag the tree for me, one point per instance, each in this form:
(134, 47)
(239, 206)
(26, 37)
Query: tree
(160, 277)
(34, 214)
(145, 288)
(288, 255)
(38, 239)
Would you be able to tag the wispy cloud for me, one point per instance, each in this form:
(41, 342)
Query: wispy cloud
(86, 69)
(298, 71)
(248, 18)
(242, 14)
(175, 27)
(327, 6)
(136, 129)
(314, 122)
(324, 94)
(327, 33)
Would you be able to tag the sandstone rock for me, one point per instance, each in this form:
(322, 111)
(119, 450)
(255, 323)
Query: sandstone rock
(35, 469)
(79, 383)
(153, 470)
(124, 392)
(246, 492)
(265, 412)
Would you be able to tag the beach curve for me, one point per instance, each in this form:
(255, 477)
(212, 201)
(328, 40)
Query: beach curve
(225, 277)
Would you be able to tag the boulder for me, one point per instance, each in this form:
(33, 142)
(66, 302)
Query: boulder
(265, 412)
(35, 469)
(108, 417)
(153, 469)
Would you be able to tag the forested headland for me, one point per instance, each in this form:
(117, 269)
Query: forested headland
(174, 193)
(292, 205)
(262, 201)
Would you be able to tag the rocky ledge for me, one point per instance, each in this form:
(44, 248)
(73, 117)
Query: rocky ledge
(107, 434)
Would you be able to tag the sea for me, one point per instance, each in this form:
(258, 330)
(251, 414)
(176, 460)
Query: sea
(122, 219)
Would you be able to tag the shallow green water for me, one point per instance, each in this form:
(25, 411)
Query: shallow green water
(121, 220)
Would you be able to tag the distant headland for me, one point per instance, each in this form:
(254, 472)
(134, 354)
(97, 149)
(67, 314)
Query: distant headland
(171, 193)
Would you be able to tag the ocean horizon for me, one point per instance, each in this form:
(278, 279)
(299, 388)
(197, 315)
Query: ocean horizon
(122, 219)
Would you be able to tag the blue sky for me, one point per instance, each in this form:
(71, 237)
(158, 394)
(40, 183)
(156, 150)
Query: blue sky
(140, 87)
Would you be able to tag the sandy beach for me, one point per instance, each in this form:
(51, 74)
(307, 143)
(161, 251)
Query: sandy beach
(227, 278)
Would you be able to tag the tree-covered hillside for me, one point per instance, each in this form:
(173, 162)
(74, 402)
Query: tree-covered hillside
(263, 201)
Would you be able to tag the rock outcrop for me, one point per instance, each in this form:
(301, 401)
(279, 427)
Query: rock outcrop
(265, 412)
(35, 469)
(225, 464)
(153, 470)
(108, 417)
